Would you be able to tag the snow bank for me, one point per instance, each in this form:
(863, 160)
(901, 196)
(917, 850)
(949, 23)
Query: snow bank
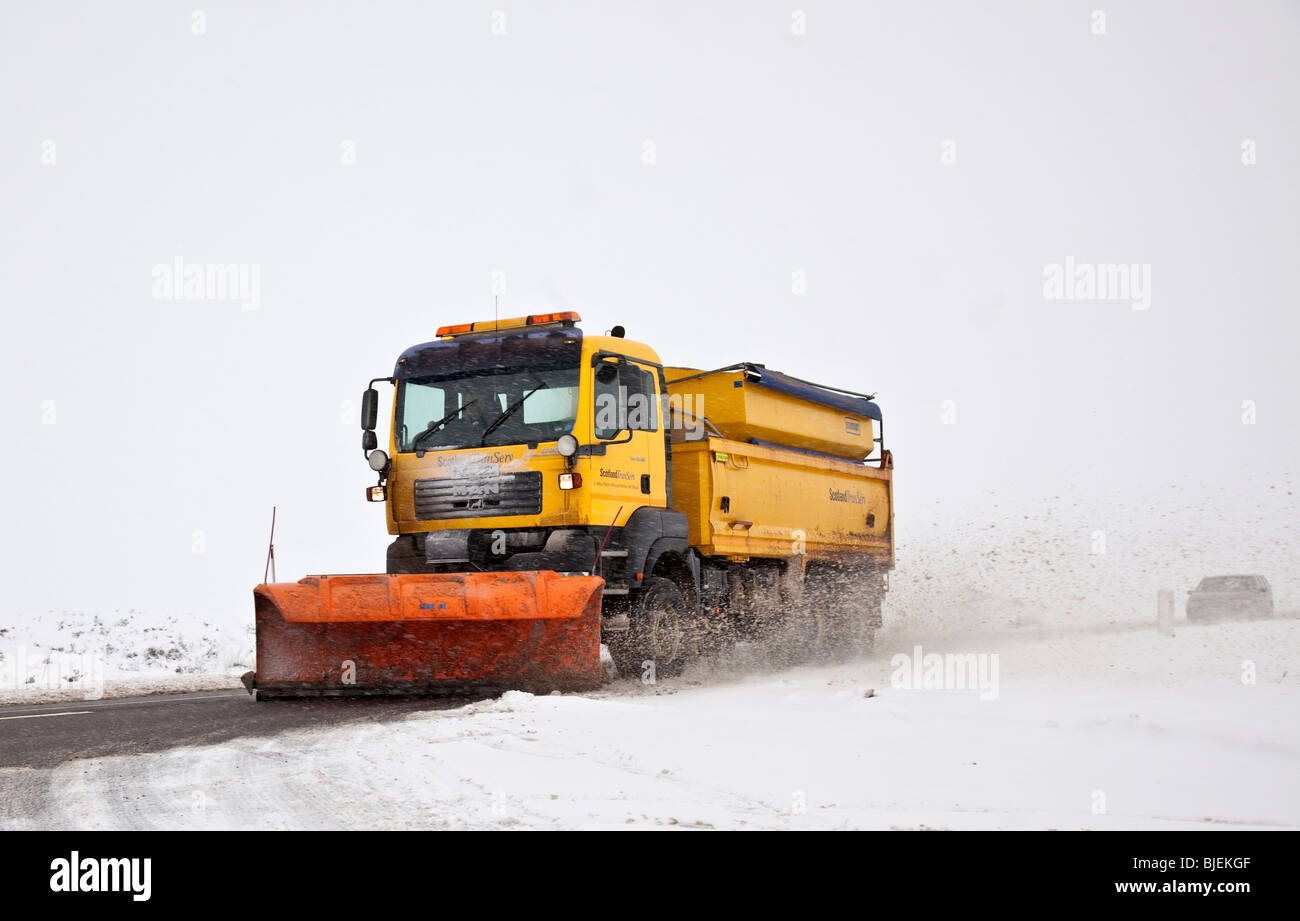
(72, 655)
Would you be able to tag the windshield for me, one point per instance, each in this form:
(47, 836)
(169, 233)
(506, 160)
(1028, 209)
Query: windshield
(1226, 584)
(497, 390)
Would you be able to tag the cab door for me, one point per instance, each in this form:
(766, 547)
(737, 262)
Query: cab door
(627, 424)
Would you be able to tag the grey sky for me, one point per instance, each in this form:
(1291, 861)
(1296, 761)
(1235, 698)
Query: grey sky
(524, 152)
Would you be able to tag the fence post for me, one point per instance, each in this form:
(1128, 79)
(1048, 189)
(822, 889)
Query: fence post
(1165, 612)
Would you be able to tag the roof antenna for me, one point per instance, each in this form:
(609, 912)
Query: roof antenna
(496, 313)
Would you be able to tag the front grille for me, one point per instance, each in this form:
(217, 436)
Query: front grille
(479, 496)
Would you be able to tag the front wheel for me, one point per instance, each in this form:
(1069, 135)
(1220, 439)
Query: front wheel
(655, 643)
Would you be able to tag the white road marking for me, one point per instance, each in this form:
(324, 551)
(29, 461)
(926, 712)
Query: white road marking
(132, 701)
(36, 716)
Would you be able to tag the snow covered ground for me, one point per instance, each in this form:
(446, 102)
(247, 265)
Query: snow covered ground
(70, 655)
(1075, 713)
(1099, 727)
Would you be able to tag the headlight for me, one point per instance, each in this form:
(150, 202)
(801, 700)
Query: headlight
(378, 461)
(567, 446)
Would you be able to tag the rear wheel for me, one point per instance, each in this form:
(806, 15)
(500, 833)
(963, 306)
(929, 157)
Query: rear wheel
(657, 633)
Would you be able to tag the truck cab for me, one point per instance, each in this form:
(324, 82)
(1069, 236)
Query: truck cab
(524, 444)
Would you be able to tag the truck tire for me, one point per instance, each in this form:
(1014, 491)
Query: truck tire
(796, 636)
(405, 556)
(657, 632)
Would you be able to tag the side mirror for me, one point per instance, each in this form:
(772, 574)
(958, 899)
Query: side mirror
(369, 409)
(369, 441)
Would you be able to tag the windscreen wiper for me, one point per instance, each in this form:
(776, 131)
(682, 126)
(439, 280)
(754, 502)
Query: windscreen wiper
(415, 445)
(508, 413)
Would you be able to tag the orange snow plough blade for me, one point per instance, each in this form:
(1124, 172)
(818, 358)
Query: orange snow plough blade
(411, 634)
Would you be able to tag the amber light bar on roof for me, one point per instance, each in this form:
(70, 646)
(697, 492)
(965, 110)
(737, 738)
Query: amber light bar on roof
(566, 317)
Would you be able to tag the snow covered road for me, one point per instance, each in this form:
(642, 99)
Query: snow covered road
(1104, 727)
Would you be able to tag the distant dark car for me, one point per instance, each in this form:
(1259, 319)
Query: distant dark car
(1230, 596)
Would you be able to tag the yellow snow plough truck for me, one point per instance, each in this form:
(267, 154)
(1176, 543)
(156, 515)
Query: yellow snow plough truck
(549, 492)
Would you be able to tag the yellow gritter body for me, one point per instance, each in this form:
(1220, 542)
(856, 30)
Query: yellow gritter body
(697, 506)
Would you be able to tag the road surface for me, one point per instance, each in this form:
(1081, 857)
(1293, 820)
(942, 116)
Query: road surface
(1103, 727)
